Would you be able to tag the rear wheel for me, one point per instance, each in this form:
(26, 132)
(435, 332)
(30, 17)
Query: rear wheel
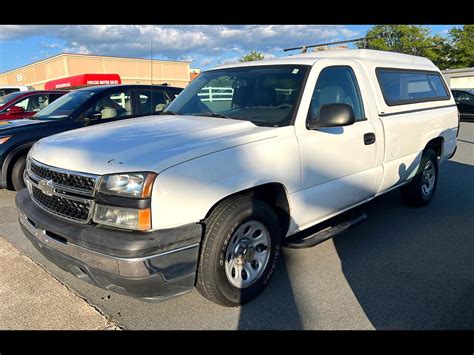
(17, 173)
(421, 189)
(240, 251)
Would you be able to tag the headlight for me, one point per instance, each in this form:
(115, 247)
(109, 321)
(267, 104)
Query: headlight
(128, 184)
(121, 217)
(4, 139)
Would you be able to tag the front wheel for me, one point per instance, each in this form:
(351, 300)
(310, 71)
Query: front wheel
(240, 251)
(421, 189)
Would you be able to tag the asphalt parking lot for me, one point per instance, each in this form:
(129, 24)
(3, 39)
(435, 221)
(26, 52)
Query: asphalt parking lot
(404, 268)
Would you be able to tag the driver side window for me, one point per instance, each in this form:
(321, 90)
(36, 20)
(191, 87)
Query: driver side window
(37, 103)
(33, 103)
(23, 103)
(337, 84)
(112, 105)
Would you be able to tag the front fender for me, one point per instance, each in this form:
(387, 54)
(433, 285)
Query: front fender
(186, 192)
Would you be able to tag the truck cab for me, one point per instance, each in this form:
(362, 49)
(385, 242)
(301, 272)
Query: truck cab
(244, 161)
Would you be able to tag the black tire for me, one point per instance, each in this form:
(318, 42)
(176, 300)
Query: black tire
(412, 193)
(17, 173)
(212, 281)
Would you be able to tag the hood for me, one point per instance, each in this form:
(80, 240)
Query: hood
(5, 126)
(151, 143)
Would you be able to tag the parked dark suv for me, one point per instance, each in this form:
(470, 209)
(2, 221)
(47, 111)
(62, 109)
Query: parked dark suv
(465, 101)
(84, 107)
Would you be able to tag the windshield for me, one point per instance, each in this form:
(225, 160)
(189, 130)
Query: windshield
(263, 95)
(6, 98)
(64, 106)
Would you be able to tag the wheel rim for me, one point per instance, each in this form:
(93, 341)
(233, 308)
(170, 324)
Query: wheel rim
(247, 254)
(428, 178)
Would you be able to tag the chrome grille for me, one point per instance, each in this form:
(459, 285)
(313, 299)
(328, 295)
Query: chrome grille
(70, 194)
(64, 207)
(71, 180)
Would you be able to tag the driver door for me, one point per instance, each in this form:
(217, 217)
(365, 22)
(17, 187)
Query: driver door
(337, 163)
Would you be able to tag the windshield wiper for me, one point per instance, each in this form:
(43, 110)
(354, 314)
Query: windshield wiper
(218, 115)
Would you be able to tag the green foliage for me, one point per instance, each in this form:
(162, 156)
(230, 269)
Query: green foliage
(455, 51)
(398, 38)
(462, 46)
(253, 55)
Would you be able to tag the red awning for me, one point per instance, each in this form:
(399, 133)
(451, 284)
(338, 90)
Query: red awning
(83, 80)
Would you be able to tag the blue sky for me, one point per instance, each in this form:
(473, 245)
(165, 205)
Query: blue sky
(204, 46)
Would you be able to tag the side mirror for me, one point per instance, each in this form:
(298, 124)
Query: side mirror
(333, 115)
(93, 116)
(16, 110)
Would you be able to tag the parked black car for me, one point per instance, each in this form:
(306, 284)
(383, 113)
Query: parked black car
(83, 107)
(465, 100)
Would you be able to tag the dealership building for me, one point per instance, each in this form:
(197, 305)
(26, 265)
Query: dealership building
(130, 70)
(459, 78)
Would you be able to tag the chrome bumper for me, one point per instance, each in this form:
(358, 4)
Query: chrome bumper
(125, 267)
(150, 266)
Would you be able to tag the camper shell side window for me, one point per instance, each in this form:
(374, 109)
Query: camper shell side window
(407, 86)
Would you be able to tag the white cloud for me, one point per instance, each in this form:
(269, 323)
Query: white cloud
(230, 60)
(13, 32)
(350, 33)
(206, 61)
(206, 43)
(50, 45)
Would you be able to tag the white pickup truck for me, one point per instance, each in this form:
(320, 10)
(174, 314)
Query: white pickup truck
(245, 159)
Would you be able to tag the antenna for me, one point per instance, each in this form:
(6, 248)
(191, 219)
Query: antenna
(417, 49)
(414, 50)
(151, 76)
(151, 62)
(305, 48)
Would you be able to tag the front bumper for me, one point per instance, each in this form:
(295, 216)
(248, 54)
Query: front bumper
(167, 271)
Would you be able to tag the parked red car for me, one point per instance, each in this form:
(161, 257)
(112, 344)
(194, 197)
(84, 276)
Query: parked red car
(26, 103)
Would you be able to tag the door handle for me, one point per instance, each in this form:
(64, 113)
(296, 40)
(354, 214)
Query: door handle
(369, 138)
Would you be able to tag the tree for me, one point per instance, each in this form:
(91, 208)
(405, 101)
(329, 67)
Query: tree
(409, 39)
(398, 38)
(441, 52)
(461, 47)
(253, 55)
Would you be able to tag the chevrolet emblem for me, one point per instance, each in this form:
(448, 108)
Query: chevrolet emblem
(46, 187)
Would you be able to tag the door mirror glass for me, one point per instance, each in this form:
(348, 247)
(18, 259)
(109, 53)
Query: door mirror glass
(92, 116)
(333, 115)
